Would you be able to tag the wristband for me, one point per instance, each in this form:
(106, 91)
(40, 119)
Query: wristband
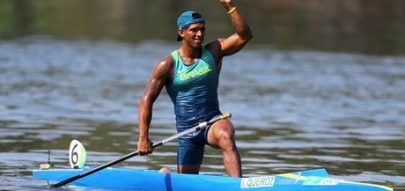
(233, 9)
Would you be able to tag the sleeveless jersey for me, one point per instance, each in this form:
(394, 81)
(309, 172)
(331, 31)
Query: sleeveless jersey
(193, 89)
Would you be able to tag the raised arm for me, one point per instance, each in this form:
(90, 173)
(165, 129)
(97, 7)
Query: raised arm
(160, 74)
(242, 34)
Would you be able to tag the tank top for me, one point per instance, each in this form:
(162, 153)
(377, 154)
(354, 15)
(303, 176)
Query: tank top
(193, 89)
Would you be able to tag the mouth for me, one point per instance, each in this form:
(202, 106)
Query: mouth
(198, 40)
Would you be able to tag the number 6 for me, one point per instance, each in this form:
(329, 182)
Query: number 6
(77, 154)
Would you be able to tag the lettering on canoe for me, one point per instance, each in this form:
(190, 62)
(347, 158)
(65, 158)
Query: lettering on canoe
(321, 181)
(257, 182)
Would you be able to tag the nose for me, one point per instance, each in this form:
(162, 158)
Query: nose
(199, 33)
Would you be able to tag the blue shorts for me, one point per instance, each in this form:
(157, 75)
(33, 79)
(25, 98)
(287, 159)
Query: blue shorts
(190, 149)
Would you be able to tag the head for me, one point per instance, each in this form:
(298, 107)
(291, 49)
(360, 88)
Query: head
(190, 19)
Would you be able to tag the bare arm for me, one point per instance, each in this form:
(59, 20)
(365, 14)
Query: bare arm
(236, 41)
(160, 74)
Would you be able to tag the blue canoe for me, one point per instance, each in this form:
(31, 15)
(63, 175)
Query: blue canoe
(151, 180)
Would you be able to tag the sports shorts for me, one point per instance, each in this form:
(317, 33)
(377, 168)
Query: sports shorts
(190, 149)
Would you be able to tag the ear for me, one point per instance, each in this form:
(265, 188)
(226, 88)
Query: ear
(180, 33)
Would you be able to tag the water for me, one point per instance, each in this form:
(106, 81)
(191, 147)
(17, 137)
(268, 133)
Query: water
(293, 110)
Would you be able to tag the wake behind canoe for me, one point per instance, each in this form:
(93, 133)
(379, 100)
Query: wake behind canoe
(151, 180)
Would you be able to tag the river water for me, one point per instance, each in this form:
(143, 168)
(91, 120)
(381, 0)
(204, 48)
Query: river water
(293, 110)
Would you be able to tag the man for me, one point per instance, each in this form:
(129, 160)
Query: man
(190, 75)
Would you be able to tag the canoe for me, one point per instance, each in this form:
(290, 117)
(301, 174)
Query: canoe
(152, 180)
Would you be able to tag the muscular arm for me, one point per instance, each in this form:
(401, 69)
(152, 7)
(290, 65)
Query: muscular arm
(160, 74)
(236, 41)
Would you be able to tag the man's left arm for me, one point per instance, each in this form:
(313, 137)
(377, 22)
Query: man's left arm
(242, 34)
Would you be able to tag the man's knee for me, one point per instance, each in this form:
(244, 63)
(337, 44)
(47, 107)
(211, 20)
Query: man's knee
(221, 135)
(227, 132)
(226, 137)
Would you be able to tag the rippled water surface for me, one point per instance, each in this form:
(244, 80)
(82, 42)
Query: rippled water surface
(292, 110)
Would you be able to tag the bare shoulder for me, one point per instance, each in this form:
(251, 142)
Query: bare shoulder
(215, 48)
(163, 67)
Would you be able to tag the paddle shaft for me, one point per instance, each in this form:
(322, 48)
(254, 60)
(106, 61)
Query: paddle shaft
(135, 153)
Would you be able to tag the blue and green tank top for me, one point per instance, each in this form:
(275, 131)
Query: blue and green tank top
(193, 89)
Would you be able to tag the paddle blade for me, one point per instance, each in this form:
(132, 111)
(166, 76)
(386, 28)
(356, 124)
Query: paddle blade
(77, 154)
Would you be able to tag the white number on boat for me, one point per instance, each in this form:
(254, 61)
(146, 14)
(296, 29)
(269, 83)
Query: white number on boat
(77, 154)
(256, 182)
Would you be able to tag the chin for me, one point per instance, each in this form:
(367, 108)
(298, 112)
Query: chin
(198, 44)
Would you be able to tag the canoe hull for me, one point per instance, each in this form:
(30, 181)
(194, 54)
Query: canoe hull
(150, 180)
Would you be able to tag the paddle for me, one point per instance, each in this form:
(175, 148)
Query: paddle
(202, 125)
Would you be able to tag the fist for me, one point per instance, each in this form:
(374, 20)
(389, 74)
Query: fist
(145, 147)
(226, 3)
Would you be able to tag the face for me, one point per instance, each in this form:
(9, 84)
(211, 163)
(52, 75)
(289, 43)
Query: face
(194, 34)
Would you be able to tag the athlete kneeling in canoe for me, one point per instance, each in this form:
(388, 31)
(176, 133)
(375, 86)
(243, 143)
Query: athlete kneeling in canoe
(190, 76)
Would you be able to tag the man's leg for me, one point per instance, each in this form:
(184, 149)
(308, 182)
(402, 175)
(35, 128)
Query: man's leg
(189, 157)
(188, 169)
(222, 135)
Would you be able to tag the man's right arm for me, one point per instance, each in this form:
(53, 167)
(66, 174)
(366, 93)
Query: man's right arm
(161, 72)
